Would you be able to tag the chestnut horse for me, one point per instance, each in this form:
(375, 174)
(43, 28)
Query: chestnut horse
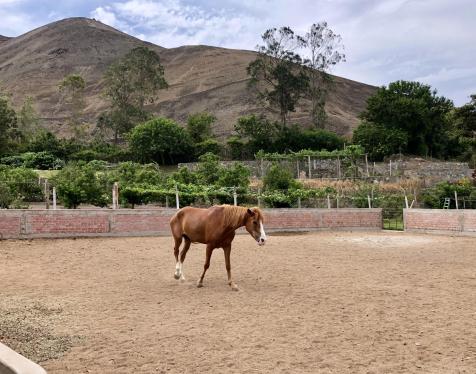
(214, 227)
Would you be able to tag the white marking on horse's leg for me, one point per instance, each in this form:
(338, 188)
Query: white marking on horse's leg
(182, 277)
(262, 237)
(178, 270)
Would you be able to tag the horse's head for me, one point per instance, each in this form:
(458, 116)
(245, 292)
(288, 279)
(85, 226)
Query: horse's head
(254, 225)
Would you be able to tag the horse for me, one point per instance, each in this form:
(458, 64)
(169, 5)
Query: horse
(216, 228)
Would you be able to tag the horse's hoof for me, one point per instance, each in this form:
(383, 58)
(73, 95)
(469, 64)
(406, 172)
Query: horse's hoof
(199, 285)
(234, 288)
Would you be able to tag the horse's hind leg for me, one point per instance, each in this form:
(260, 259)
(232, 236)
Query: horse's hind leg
(178, 242)
(206, 266)
(183, 253)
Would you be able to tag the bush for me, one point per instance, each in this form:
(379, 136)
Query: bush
(435, 197)
(22, 184)
(79, 183)
(34, 160)
(160, 140)
(279, 178)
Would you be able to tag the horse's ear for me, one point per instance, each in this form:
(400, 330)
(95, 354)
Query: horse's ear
(250, 212)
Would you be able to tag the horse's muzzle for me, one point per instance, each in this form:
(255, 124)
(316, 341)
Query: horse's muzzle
(261, 242)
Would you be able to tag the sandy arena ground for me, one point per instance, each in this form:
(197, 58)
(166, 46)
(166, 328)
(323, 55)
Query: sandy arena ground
(328, 302)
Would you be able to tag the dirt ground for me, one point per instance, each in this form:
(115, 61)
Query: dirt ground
(327, 302)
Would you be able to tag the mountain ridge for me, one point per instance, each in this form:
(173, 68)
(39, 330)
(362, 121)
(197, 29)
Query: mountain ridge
(200, 77)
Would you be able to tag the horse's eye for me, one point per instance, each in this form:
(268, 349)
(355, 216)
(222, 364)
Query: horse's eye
(255, 222)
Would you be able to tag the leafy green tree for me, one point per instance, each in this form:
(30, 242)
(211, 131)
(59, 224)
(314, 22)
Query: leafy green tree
(8, 121)
(199, 126)
(72, 89)
(259, 131)
(28, 119)
(415, 109)
(131, 83)
(463, 131)
(79, 183)
(324, 48)
(379, 141)
(275, 74)
(161, 140)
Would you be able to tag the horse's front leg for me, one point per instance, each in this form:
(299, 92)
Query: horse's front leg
(227, 251)
(207, 264)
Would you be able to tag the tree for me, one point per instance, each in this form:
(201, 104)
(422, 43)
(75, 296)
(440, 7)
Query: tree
(8, 121)
(276, 74)
(161, 140)
(379, 141)
(130, 83)
(28, 120)
(199, 126)
(415, 109)
(463, 131)
(324, 49)
(72, 90)
(260, 132)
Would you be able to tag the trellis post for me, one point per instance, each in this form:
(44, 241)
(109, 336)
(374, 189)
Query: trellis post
(54, 198)
(47, 194)
(259, 197)
(235, 197)
(367, 165)
(328, 202)
(309, 165)
(456, 200)
(177, 201)
(369, 201)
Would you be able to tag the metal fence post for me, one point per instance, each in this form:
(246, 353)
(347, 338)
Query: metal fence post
(328, 202)
(456, 200)
(369, 201)
(177, 201)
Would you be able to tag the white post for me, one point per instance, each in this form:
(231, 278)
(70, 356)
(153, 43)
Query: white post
(54, 197)
(456, 200)
(166, 201)
(370, 202)
(406, 201)
(235, 197)
(299, 202)
(367, 165)
(309, 165)
(338, 166)
(297, 166)
(259, 197)
(177, 202)
(328, 202)
(113, 198)
(390, 167)
(337, 201)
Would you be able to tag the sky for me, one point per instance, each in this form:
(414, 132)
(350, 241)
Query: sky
(430, 41)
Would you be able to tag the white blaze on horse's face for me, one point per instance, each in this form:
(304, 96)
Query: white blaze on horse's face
(262, 238)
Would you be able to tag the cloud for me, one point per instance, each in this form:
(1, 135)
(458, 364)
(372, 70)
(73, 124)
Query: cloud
(105, 15)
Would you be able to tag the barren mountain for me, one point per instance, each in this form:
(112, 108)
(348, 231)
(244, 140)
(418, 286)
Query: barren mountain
(200, 77)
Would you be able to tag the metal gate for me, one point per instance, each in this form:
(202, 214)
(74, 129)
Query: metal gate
(392, 219)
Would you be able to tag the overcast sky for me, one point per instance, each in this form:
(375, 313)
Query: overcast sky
(432, 41)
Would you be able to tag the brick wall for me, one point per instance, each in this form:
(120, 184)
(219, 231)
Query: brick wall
(142, 222)
(462, 221)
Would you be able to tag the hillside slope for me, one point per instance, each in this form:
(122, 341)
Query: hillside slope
(200, 77)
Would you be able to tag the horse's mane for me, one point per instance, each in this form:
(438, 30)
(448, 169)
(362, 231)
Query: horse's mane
(235, 215)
